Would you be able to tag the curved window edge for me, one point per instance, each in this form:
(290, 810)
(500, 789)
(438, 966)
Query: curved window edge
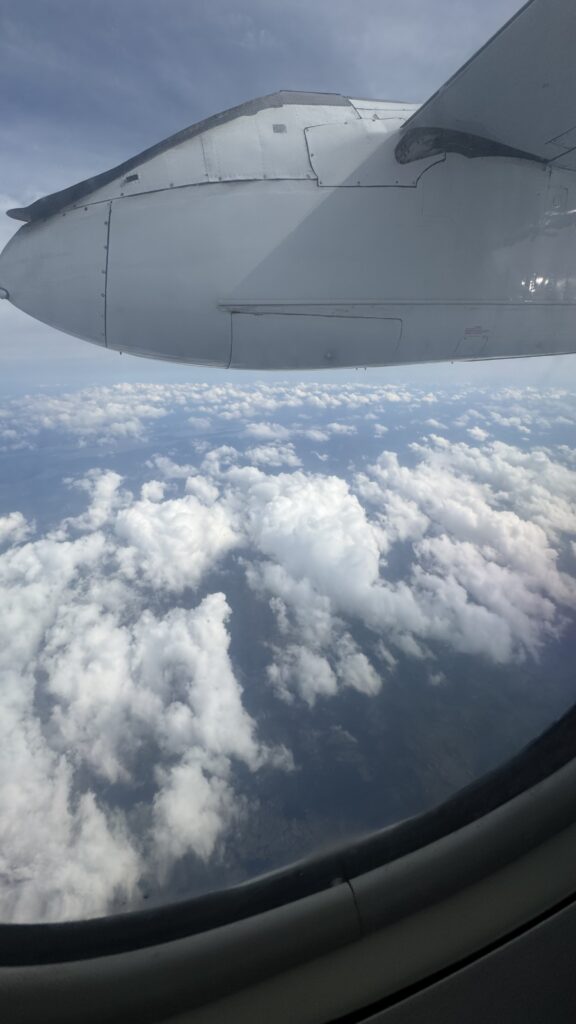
(521, 804)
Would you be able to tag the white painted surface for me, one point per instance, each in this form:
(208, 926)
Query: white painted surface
(55, 270)
(166, 252)
(245, 148)
(361, 153)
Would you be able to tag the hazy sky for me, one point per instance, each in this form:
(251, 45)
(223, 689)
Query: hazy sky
(86, 84)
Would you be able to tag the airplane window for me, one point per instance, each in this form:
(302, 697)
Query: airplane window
(243, 622)
(248, 616)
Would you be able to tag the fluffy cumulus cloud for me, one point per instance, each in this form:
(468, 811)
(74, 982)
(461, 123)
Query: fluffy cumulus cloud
(266, 431)
(93, 681)
(484, 531)
(124, 728)
(70, 857)
(484, 527)
(483, 576)
(269, 414)
(101, 413)
(13, 528)
(122, 413)
(478, 433)
(172, 542)
(273, 455)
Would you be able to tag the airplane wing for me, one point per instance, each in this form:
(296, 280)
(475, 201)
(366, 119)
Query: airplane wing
(516, 96)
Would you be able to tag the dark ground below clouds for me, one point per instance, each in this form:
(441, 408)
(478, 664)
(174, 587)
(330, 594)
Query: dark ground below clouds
(366, 762)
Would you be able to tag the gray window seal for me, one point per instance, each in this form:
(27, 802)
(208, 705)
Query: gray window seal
(25, 944)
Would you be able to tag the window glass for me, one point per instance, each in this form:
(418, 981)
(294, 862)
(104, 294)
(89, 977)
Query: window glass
(245, 618)
(244, 621)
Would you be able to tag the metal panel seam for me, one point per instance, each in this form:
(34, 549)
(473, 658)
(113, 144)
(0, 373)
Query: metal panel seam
(231, 318)
(460, 859)
(188, 184)
(108, 223)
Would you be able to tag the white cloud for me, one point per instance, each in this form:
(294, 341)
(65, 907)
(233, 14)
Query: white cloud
(105, 497)
(478, 433)
(191, 810)
(203, 489)
(108, 414)
(129, 412)
(537, 488)
(341, 428)
(70, 858)
(485, 577)
(520, 422)
(117, 679)
(312, 525)
(170, 469)
(302, 669)
(173, 543)
(61, 856)
(354, 668)
(313, 434)
(114, 687)
(312, 674)
(153, 490)
(267, 431)
(273, 455)
(474, 547)
(14, 528)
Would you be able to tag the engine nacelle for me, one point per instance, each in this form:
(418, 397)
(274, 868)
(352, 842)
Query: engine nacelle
(286, 234)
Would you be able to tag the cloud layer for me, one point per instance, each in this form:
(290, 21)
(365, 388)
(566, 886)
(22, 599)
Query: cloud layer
(125, 728)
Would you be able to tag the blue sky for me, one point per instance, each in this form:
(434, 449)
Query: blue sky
(85, 85)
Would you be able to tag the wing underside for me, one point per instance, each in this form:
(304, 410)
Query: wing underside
(516, 96)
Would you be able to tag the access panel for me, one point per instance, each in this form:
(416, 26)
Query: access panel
(294, 340)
